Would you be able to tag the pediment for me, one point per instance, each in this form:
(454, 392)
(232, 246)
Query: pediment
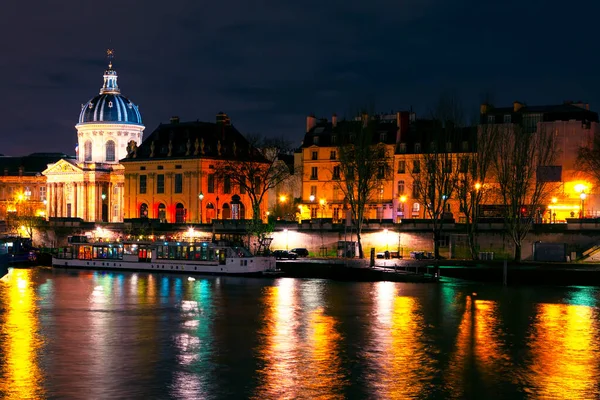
(62, 167)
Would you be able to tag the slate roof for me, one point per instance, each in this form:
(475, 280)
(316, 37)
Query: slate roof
(324, 130)
(194, 139)
(558, 112)
(426, 131)
(32, 164)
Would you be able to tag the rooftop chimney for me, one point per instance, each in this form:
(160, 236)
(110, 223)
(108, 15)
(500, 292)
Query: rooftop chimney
(517, 106)
(334, 120)
(311, 121)
(174, 119)
(223, 118)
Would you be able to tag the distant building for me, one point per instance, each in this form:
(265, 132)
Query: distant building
(574, 126)
(22, 185)
(91, 186)
(172, 176)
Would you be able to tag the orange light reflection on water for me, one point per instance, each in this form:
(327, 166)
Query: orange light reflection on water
(299, 361)
(565, 353)
(479, 347)
(20, 343)
(402, 367)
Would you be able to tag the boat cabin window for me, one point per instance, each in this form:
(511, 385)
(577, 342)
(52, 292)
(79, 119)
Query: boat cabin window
(185, 252)
(144, 253)
(130, 249)
(108, 252)
(84, 252)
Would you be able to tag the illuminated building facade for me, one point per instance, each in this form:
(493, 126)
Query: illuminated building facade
(91, 187)
(415, 144)
(22, 186)
(173, 176)
(321, 196)
(574, 126)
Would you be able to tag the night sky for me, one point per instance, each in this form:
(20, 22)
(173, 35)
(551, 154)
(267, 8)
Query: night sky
(270, 63)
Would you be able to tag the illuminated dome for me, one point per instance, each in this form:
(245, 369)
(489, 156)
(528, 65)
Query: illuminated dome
(110, 106)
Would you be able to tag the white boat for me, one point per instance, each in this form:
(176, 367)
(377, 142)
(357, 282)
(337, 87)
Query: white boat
(182, 257)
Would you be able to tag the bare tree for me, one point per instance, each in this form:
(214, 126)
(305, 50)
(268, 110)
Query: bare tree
(588, 159)
(364, 165)
(435, 171)
(472, 185)
(256, 170)
(519, 160)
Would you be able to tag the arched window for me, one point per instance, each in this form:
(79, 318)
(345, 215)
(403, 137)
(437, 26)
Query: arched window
(242, 211)
(87, 150)
(144, 210)
(226, 211)
(162, 212)
(180, 213)
(210, 212)
(110, 151)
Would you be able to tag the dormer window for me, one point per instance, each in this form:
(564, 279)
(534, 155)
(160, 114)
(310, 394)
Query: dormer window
(417, 147)
(507, 119)
(333, 139)
(316, 140)
(491, 119)
(449, 147)
(110, 104)
(382, 136)
(402, 148)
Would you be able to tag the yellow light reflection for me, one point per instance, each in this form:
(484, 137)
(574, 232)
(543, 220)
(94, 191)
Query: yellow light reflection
(565, 352)
(300, 361)
(478, 346)
(402, 367)
(19, 329)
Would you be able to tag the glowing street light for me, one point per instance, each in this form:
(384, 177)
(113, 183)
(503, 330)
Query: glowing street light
(201, 197)
(477, 186)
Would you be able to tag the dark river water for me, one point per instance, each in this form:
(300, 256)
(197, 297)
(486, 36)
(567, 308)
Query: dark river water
(95, 335)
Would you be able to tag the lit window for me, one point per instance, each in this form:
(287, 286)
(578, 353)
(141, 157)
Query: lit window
(110, 151)
(87, 150)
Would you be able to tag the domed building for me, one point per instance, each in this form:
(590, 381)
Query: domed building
(91, 186)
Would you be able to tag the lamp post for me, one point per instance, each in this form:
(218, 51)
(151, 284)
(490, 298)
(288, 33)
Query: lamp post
(200, 197)
(582, 197)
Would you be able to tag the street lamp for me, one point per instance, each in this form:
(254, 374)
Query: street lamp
(201, 197)
(322, 203)
(582, 197)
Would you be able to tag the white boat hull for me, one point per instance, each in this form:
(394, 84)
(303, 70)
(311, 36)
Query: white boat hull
(233, 266)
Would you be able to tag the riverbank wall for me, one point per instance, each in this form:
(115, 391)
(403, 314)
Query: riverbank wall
(323, 238)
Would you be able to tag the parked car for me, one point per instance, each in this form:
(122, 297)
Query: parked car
(302, 252)
(281, 254)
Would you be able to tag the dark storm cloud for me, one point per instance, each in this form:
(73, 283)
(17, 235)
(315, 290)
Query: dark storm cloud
(270, 63)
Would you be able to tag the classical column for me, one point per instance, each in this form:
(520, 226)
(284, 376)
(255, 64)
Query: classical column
(59, 194)
(50, 200)
(75, 202)
(84, 199)
(109, 202)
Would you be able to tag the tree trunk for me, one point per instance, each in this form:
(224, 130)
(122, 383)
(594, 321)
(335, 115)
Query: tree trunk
(361, 253)
(472, 242)
(518, 252)
(436, 243)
